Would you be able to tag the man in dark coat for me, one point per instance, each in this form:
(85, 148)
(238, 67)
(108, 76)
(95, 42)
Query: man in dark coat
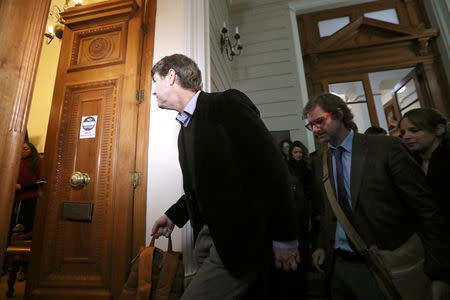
(237, 195)
(384, 194)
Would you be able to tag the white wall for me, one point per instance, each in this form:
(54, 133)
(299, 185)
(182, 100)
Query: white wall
(181, 27)
(164, 173)
(439, 15)
(220, 65)
(267, 68)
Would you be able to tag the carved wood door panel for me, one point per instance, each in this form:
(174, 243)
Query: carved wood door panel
(82, 241)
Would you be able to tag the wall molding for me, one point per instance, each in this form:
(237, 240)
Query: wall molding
(196, 32)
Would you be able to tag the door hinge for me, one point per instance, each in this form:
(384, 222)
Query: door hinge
(136, 179)
(140, 96)
(145, 27)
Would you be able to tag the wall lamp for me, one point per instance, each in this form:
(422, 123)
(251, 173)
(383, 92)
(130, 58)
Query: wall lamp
(57, 29)
(231, 49)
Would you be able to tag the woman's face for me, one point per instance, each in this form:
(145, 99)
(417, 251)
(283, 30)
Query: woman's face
(26, 151)
(286, 148)
(417, 140)
(297, 153)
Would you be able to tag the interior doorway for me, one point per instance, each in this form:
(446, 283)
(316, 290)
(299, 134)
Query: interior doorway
(379, 56)
(101, 67)
(379, 98)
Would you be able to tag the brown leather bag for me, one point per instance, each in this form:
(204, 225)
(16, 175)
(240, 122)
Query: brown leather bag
(155, 274)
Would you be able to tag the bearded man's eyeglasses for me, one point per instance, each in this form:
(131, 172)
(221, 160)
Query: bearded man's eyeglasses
(317, 122)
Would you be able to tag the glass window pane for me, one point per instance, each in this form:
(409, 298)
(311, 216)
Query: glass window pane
(412, 106)
(360, 116)
(328, 27)
(352, 92)
(349, 91)
(407, 94)
(386, 15)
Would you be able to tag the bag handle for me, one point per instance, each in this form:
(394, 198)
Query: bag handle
(378, 268)
(167, 273)
(169, 245)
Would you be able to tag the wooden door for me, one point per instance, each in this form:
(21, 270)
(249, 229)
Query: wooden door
(20, 44)
(82, 243)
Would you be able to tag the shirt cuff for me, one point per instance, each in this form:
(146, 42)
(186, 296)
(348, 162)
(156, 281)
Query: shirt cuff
(286, 245)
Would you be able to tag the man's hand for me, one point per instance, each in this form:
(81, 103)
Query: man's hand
(163, 226)
(318, 258)
(287, 259)
(440, 290)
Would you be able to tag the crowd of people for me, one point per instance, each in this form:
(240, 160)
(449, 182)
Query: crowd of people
(263, 216)
(262, 220)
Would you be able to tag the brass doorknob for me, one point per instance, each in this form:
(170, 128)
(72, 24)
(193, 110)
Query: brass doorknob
(79, 180)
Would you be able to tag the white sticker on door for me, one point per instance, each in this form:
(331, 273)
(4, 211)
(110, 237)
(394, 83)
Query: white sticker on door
(88, 127)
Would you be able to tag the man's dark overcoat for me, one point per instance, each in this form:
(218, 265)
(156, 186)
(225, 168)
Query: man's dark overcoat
(241, 187)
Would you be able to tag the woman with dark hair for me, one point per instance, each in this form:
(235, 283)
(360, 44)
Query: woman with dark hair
(299, 166)
(425, 133)
(292, 285)
(284, 147)
(298, 158)
(27, 187)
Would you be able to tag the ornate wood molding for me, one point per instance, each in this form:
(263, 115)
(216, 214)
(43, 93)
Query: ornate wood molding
(366, 32)
(112, 9)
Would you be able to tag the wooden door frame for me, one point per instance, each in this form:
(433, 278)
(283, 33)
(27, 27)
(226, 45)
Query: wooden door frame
(422, 95)
(140, 193)
(368, 45)
(27, 45)
(22, 24)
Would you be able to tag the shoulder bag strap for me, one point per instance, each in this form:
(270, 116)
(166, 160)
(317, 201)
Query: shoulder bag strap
(357, 241)
(382, 273)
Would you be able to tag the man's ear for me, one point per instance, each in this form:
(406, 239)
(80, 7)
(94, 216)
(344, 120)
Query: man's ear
(339, 115)
(440, 130)
(172, 76)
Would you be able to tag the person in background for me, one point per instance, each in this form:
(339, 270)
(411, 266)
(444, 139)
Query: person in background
(375, 130)
(425, 133)
(382, 191)
(27, 188)
(238, 200)
(299, 165)
(292, 285)
(284, 147)
(26, 196)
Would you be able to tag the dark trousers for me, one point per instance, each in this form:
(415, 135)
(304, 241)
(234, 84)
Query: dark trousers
(26, 213)
(352, 280)
(23, 213)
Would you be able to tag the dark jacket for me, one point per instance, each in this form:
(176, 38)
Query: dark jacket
(438, 176)
(241, 183)
(390, 201)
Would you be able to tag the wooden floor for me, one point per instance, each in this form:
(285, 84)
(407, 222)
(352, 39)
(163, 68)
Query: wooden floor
(19, 289)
